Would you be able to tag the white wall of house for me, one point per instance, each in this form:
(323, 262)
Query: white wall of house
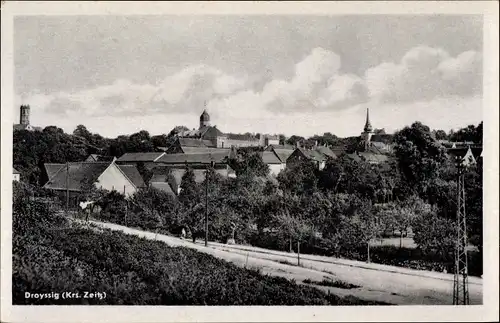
(275, 169)
(16, 177)
(114, 179)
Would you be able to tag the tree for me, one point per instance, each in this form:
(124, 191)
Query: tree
(294, 139)
(191, 205)
(434, 233)
(248, 162)
(152, 208)
(81, 131)
(299, 178)
(440, 134)
(419, 155)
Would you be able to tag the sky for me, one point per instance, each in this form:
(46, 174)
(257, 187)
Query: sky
(301, 75)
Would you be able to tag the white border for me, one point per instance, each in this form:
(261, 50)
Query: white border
(486, 312)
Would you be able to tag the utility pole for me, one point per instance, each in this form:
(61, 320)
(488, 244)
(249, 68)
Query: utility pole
(67, 188)
(206, 202)
(460, 281)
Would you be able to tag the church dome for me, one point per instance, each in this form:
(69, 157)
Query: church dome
(205, 116)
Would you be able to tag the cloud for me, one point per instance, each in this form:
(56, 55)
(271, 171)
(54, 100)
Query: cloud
(183, 92)
(317, 85)
(425, 73)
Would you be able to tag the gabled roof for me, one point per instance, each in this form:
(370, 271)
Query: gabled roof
(193, 142)
(140, 157)
(77, 173)
(133, 174)
(326, 151)
(15, 171)
(52, 169)
(373, 158)
(205, 158)
(312, 154)
(204, 150)
(283, 154)
(269, 157)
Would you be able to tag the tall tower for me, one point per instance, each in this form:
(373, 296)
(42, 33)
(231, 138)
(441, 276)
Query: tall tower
(367, 130)
(461, 275)
(24, 115)
(204, 119)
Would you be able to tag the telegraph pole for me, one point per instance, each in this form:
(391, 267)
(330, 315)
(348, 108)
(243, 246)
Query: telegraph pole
(67, 188)
(212, 163)
(460, 281)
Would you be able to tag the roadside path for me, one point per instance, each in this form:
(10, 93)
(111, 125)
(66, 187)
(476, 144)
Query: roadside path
(389, 284)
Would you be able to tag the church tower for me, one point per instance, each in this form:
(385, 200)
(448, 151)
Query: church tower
(24, 115)
(204, 119)
(367, 133)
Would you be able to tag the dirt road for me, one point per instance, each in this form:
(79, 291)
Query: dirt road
(376, 282)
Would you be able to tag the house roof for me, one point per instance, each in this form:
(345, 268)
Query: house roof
(312, 154)
(461, 151)
(203, 150)
(77, 173)
(338, 150)
(354, 157)
(283, 154)
(15, 171)
(193, 142)
(205, 158)
(52, 169)
(373, 158)
(133, 174)
(326, 151)
(140, 157)
(269, 157)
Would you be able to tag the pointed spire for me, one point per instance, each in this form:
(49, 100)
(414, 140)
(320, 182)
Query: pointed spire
(368, 126)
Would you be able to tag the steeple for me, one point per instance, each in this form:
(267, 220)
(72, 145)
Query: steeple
(368, 126)
(204, 119)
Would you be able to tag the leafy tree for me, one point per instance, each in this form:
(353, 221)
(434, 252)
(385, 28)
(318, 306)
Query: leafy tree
(299, 178)
(434, 233)
(440, 134)
(152, 208)
(191, 211)
(247, 162)
(294, 139)
(419, 155)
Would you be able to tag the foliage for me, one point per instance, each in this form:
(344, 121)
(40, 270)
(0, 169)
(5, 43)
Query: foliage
(53, 255)
(419, 155)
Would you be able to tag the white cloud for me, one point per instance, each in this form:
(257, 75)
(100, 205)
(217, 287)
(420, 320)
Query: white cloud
(426, 73)
(317, 98)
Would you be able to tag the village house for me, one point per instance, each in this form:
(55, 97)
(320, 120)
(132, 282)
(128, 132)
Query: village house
(282, 151)
(147, 159)
(192, 146)
(274, 162)
(318, 155)
(105, 175)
